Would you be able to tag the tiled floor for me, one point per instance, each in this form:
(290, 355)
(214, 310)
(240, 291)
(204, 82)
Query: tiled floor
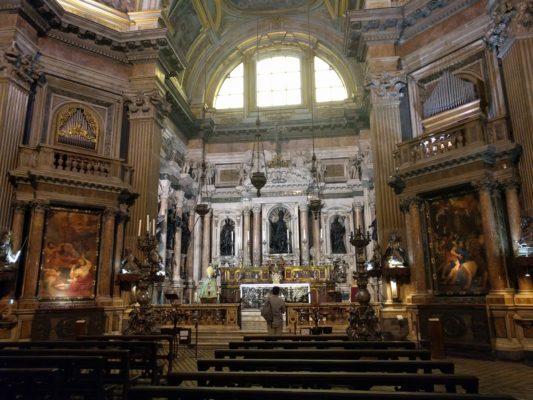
(495, 377)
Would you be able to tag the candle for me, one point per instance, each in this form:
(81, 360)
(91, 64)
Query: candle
(139, 232)
(147, 223)
(153, 227)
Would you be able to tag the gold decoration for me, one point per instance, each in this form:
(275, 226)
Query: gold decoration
(77, 126)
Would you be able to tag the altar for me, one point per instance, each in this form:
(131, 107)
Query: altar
(253, 295)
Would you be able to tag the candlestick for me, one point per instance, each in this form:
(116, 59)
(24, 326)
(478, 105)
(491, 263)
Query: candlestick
(139, 232)
(147, 223)
(153, 227)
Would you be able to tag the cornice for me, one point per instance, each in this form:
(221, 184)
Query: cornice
(396, 24)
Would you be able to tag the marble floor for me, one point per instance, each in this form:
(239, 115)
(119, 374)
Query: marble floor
(496, 377)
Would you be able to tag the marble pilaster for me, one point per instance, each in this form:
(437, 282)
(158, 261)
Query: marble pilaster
(246, 236)
(256, 244)
(164, 193)
(416, 251)
(304, 233)
(206, 245)
(190, 250)
(31, 267)
(197, 249)
(176, 269)
(105, 272)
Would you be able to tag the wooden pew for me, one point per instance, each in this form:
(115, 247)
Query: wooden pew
(318, 380)
(255, 393)
(30, 383)
(446, 367)
(323, 354)
(115, 372)
(324, 344)
(248, 338)
(166, 341)
(80, 375)
(143, 355)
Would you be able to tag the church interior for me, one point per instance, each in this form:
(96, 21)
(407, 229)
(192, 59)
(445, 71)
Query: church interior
(165, 163)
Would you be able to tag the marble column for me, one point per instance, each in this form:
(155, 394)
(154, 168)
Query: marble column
(497, 275)
(176, 269)
(120, 222)
(31, 267)
(18, 72)
(164, 192)
(17, 225)
(416, 251)
(197, 252)
(190, 250)
(256, 246)
(105, 271)
(246, 236)
(318, 235)
(511, 187)
(304, 233)
(385, 129)
(206, 245)
(147, 110)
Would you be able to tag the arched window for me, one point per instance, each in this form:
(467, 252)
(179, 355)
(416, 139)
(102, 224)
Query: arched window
(279, 81)
(231, 93)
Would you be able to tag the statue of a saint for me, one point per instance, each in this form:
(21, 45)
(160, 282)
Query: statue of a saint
(338, 236)
(8, 259)
(227, 238)
(208, 291)
(279, 233)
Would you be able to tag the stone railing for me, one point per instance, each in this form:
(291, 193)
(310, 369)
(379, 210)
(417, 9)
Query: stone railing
(450, 141)
(225, 314)
(56, 162)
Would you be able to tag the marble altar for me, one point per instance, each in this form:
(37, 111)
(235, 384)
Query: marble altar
(252, 295)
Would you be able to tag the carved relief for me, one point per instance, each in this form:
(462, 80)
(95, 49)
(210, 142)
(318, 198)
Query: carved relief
(508, 17)
(385, 85)
(23, 67)
(146, 105)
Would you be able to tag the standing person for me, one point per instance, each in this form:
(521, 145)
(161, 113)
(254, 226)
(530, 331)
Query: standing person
(272, 311)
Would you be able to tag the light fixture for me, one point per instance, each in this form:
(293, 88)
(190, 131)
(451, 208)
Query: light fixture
(258, 178)
(202, 207)
(314, 201)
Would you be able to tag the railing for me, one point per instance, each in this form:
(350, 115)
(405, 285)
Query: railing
(226, 314)
(58, 162)
(453, 140)
(301, 314)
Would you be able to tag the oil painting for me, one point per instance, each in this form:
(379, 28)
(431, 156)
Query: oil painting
(70, 254)
(456, 245)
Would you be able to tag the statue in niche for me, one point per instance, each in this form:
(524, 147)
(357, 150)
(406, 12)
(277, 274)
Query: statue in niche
(337, 236)
(279, 233)
(227, 235)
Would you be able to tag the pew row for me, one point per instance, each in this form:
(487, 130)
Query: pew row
(324, 354)
(310, 365)
(31, 383)
(329, 380)
(324, 344)
(231, 393)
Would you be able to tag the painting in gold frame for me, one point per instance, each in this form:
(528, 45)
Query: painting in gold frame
(69, 257)
(456, 244)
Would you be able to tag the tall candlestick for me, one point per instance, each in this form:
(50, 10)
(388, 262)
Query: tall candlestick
(153, 227)
(147, 223)
(139, 232)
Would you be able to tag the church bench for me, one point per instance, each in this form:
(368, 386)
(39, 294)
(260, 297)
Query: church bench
(88, 373)
(165, 341)
(248, 338)
(142, 355)
(351, 380)
(379, 354)
(409, 366)
(293, 344)
(255, 393)
(30, 383)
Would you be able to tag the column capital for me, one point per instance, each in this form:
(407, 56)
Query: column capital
(147, 104)
(512, 183)
(24, 68)
(357, 206)
(40, 206)
(485, 185)
(20, 205)
(385, 86)
(411, 201)
(256, 209)
(110, 213)
(508, 18)
(303, 207)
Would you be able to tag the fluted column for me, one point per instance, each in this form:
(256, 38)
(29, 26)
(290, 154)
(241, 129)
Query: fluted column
(17, 225)
(304, 233)
(385, 131)
(31, 268)
(106, 259)
(246, 236)
(497, 276)
(510, 35)
(256, 246)
(206, 245)
(416, 249)
(164, 192)
(146, 113)
(176, 270)
(18, 72)
(120, 222)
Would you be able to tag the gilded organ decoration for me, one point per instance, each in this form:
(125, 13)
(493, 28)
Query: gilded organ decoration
(77, 126)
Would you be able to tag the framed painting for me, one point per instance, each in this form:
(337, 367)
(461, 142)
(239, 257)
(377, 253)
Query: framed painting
(69, 257)
(456, 245)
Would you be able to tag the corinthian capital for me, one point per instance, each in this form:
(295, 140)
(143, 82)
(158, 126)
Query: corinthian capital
(147, 104)
(508, 18)
(385, 85)
(23, 67)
